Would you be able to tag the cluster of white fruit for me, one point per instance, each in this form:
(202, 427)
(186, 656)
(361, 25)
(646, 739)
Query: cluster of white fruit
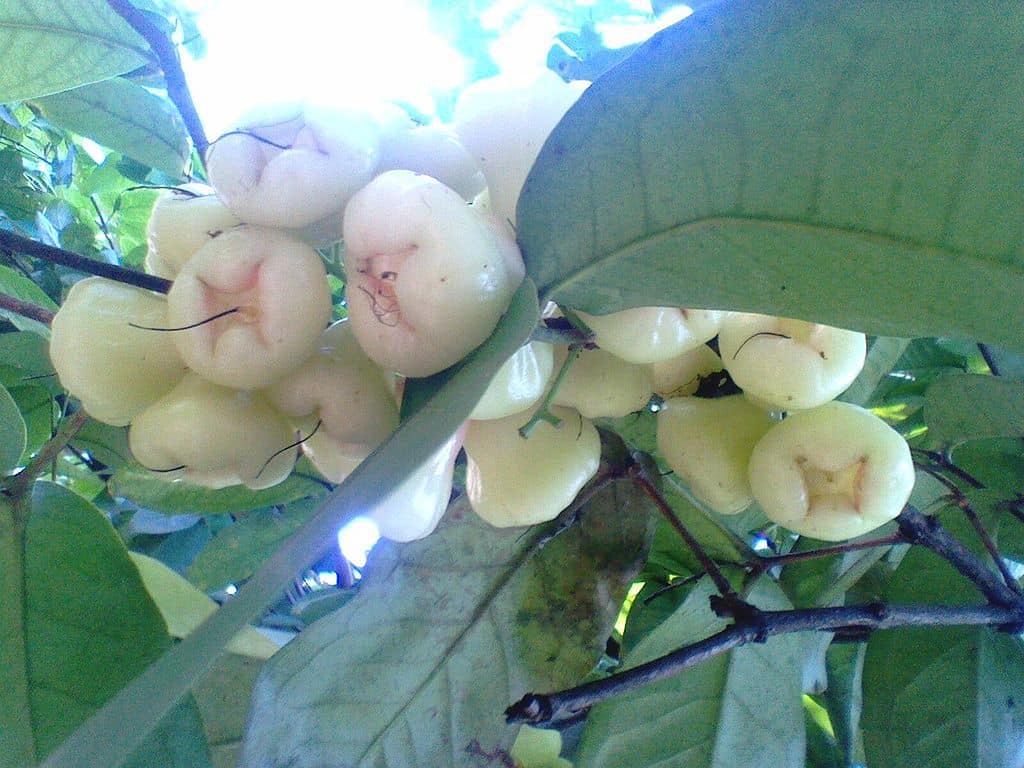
(228, 377)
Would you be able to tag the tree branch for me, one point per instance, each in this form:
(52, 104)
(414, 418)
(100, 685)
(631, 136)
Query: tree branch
(170, 62)
(26, 309)
(990, 359)
(18, 244)
(539, 709)
(20, 484)
(762, 564)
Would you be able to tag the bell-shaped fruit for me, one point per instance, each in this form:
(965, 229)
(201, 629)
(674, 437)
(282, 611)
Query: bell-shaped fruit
(504, 122)
(115, 369)
(789, 364)
(511, 480)
(342, 390)
(183, 221)
(273, 294)
(599, 384)
(518, 384)
(414, 508)
(214, 436)
(834, 472)
(428, 275)
(292, 165)
(707, 442)
(653, 334)
(682, 374)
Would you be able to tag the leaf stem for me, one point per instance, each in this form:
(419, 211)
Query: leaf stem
(20, 484)
(543, 413)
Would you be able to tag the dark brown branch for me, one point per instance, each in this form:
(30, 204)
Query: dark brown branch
(765, 563)
(22, 482)
(558, 330)
(18, 244)
(170, 62)
(990, 359)
(537, 709)
(946, 464)
(26, 309)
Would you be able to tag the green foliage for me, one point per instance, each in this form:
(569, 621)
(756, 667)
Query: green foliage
(13, 433)
(961, 407)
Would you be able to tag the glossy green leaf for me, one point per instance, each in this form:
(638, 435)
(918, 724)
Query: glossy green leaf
(998, 463)
(53, 45)
(125, 117)
(40, 414)
(883, 354)
(15, 284)
(444, 634)
(13, 434)
(115, 729)
(25, 358)
(823, 160)
(147, 489)
(844, 698)
(737, 709)
(85, 627)
(966, 406)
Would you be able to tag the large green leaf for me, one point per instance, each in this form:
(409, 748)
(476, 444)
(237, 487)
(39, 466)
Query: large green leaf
(737, 710)
(115, 729)
(126, 117)
(13, 434)
(952, 692)
(966, 406)
(15, 284)
(52, 45)
(77, 625)
(443, 635)
(823, 160)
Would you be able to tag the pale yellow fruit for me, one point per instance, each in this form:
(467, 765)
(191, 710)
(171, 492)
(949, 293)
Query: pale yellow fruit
(682, 374)
(504, 122)
(293, 165)
(342, 389)
(708, 442)
(214, 436)
(789, 364)
(511, 480)
(653, 334)
(114, 369)
(834, 472)
(279, 287)
(182, 222)
(432, 150)
(428, 275)
(599, 384)
(518, 384)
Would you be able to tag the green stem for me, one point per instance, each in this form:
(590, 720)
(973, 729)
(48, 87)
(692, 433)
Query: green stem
(544, 412)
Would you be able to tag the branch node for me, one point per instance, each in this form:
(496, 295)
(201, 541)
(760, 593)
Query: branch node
(741, 612)
(529, 709)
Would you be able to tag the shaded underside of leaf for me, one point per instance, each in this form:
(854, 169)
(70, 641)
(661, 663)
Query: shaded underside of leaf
(125, 117)
(53, 45)
(961, 407)
(443, 635)
(827, 161)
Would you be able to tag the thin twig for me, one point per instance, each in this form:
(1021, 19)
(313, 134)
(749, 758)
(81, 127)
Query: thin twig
(990, 359)
(170, 62)
(23, 245)
(537, 709)
(766, 563)
(543, 412)
(21, 482)
(26, 309)
(103, 225)
(945, 463)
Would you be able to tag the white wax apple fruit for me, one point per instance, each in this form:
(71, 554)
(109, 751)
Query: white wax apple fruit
(599, 384)
(511, 480)
(518, 384)
(277, 287)
(342, 390)
(833, 472)
(292, 166)
(653, 334)
(682, 374)
(416, 505)
(789, 364)
(183, 221)
(428, 275)
(707, 442)
(504, 121)
(116, 370)
(214, 436)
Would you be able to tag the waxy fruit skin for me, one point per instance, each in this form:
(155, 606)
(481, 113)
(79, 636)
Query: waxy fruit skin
(789, 364)
(653, 334)
(182, 222)
(428, 275)
(219, 436)
(503, 122)
(416, 505)
(515, 481)
(280, 288)
(708, 442)
(599, 384)
(682, 375)
(833, 473)
(291, 166)
(518, 384)
(114, 369)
